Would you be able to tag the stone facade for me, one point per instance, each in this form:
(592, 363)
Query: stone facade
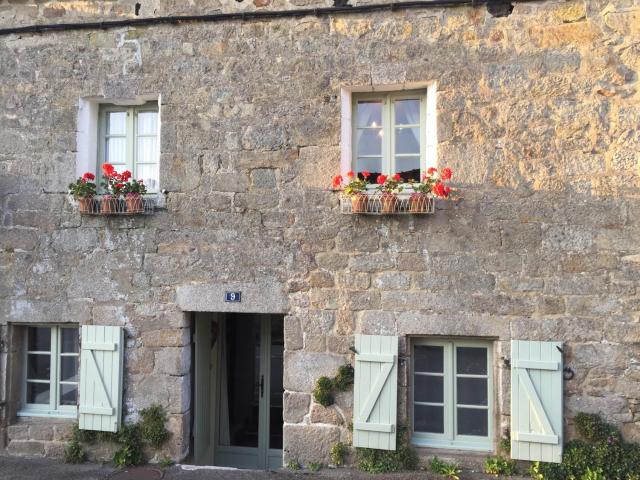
(537, 116)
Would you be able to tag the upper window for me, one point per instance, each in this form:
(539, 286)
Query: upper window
(452, 394)
(390, 134)
(128, 139)
(51, 371)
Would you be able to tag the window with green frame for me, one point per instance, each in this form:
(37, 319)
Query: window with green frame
(129, 140)
(50, 386)
(390, 134)
(452, 394)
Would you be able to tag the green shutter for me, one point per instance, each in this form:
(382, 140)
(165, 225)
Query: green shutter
(375, 393)
(536, 401)
(101, 366)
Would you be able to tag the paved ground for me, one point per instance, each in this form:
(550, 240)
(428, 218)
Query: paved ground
(14, 468)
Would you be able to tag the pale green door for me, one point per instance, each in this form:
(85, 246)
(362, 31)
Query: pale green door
(247, 401)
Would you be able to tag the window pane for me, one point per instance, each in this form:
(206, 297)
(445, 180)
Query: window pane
(68, 394)
(147, 123)
(149, 175)
(369, 142)
(407, 112)
(428, 358)
(39, 339)
(116, 123)
(369, 114)
(69, 369)
(428, 419)
(408, 140)
(372, 165)
(147, 150)
(471, 360)
(473, 421)
(428, 389)
(408, 168)
(37, 393)
(69, 340)
(38, 367)
(116, 150)
(472, 391)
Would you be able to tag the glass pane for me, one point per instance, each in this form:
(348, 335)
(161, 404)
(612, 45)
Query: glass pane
(369, 142)
(428, 358)
(239, 408)
(37, 393)
(68, 394)
(407, 140)
(407, 112)
(69, 340)
(69, 369)
(428, 389)
(369, 114)
(472, 391)
(38, 367)
(471, 360)
(149, 175)
(371, 165)
(408, 168)
(116, 150)
(277, 389)
(39, 339)
(116, 123)
(147, 150)
(473, 421)
(147, 123)
(428, 419)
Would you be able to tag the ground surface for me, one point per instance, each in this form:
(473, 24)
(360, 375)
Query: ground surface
(15, 468)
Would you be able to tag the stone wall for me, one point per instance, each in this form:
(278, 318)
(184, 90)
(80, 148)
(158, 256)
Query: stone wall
(537, 115)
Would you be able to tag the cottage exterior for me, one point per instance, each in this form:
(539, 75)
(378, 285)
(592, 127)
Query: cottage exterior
(510, 309)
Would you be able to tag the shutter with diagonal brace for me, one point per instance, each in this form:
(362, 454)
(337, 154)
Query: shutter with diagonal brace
(375, 392)
(101, 365)
(536, 401)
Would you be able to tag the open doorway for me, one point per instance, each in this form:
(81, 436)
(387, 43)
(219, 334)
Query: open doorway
(238, 390)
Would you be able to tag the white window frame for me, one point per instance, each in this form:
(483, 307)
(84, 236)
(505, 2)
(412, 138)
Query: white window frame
(54, 409)
(450, 439)
(428, 119)
(131, 135)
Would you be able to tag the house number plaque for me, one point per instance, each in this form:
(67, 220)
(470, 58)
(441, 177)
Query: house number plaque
(233, 297)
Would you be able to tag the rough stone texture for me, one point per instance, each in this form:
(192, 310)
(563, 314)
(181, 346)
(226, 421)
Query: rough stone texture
(537, 115)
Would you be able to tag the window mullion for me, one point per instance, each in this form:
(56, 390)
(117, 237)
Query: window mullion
(54, 374)
(388, 135)
(450, 400)
(132, 114)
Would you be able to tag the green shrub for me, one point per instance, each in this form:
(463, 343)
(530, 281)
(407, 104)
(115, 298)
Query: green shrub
(449, 470)
(505, 445)
(338, 453)
(293, 465)
(152, 426)
(344, 378)
(322, 392)
(165, 461)
(74, 453)
(130, 451)
(315, 466)
(593, 475)
(593, 429)
(386, 461)
(498, 465)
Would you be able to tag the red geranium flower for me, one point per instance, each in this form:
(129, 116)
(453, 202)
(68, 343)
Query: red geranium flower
(350, 174)
(381, 179)
(126, 175)
(431, 170)
(337, 181)
(438, 190)
(447, 190)
(446, 174)
(108, 169)
(119, 185)
(397, 177)
(366, 174)
(88, 176)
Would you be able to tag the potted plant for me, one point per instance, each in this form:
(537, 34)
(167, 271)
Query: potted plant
(84, 190)
(112, 184)
(355, 189)
(432, 184)
(389, 188)
(133, 191)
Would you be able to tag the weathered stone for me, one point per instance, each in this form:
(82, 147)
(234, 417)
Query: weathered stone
(309, 443)
(320, 414)
(315, 343)
(18, 432)
(26, 448)
(376, 323)
(166, 338)
(301, 369)
(173, 361)
(40, 432)
(296, 406)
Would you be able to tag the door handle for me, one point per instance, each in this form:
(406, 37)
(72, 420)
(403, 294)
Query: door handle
(261, 386)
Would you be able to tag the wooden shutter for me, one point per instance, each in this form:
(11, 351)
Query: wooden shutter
(101, 365)
(536, 401)
(375, 392)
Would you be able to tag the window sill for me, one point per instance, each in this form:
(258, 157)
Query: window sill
(377, 203)
(47, 413)
(101, 205)
(453, 446)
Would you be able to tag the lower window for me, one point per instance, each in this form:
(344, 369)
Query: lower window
(50, 386)
(452, 394)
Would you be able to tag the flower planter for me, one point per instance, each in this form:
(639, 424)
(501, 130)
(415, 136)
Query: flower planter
(109, 205)
(359, 203)
(419, 202)
(134, 204)
(388, 202)
(86, 204)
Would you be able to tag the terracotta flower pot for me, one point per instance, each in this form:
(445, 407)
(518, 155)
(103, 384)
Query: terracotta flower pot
(108, 205)
(359, 203)
(418, 202)
(134, 204)
(388, 202)
(86, 204)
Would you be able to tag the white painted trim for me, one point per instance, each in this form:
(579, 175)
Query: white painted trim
(345, 131)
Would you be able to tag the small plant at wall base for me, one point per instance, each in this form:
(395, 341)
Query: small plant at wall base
(325, 386)
(152, 426)
(499, 465)
(339, 453)
(404, 457)
(293, 465)
(449, 470)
